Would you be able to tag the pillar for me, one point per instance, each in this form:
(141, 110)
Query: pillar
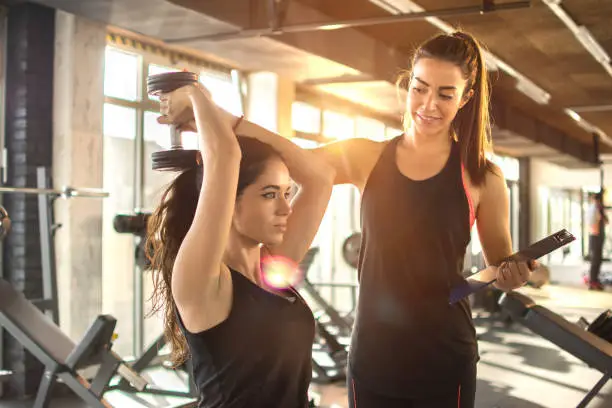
(77, 154)
(269, 102)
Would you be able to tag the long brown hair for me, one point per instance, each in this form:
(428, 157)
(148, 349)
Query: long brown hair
(169, 224)
(472, 123)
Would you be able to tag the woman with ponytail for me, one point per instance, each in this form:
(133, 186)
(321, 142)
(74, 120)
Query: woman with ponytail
(421, 194)
(224, 216)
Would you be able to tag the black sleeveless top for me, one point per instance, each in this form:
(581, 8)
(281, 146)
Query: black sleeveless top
(260, 356)
(408, 341)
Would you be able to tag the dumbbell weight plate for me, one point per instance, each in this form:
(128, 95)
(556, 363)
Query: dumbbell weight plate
(169, 81)
(598, 324)
(350, 249)
(175, 160)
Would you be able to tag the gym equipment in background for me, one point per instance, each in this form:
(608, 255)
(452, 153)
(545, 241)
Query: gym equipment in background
(136, 224)
(63, 359)
(571, 337)
(350, 249)
(329, 355)
(47, 227)
(601, 326)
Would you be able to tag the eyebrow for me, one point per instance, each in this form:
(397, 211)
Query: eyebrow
(441, 88)
(274, 187)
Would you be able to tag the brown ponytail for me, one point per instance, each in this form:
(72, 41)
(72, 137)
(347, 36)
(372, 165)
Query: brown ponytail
(167, 228)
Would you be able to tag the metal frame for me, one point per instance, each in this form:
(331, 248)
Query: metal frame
(49, 303)
(587, 347)
(92, 350)
(487, 6)
(3, 42)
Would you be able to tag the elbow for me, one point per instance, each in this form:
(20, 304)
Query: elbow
(222, 153)
(322, 180)
(325, 175)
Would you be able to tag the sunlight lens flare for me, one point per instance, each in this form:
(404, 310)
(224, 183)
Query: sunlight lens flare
(280, 273)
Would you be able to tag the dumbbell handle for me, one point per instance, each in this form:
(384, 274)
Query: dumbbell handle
(176, 141)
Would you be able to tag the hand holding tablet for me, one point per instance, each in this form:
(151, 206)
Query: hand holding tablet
(488, 276)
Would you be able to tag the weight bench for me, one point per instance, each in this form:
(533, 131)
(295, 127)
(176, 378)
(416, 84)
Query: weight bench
(587, 347)
(61, 357)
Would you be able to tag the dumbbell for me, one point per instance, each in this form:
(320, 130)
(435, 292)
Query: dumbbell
(177, 158)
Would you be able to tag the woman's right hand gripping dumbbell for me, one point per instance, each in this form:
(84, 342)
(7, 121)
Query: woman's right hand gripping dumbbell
(185, 106)
(176, 107)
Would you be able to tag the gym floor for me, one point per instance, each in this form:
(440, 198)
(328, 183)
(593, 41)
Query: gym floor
(517, 368)
(520, 369)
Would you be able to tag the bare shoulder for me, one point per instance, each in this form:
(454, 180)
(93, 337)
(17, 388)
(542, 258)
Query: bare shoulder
(492, 189)
(495, 182)
(212, 305)
(353, 159)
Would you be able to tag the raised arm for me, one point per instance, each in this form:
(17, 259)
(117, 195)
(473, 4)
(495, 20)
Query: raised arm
(352, 159)
(199, 282)
(314, 177)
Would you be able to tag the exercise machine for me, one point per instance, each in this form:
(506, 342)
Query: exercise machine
(588, 347)
(329, 355)
(47, 227)
(63, 359)
(136, 224)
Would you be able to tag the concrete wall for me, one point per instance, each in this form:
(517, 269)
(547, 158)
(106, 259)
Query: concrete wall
(77, 158)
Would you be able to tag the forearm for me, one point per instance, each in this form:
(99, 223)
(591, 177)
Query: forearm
(214, 127)
(303, 166)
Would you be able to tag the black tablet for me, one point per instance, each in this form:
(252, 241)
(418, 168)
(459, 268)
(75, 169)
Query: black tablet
(534, 251)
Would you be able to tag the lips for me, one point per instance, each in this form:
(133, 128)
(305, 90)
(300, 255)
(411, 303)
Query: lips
(428, 120)
(282, 227)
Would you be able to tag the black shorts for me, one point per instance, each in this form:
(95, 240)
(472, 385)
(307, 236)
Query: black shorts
(463, 397)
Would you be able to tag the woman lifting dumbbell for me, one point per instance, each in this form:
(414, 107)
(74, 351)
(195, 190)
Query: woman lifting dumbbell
(227, 212)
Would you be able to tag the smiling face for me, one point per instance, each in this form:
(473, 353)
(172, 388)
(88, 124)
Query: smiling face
(435, 95)
(263, 207)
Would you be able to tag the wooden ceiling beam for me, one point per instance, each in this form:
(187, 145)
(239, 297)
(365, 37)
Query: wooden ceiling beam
(509, 118)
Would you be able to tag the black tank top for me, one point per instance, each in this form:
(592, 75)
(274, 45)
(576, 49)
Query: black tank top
(408, 341)
(260, 356)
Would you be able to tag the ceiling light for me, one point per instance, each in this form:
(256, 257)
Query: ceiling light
(533, 91)
(592, 46)
(573, 115)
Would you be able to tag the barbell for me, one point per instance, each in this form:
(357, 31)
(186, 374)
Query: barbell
(66, 192)
(176, 158)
